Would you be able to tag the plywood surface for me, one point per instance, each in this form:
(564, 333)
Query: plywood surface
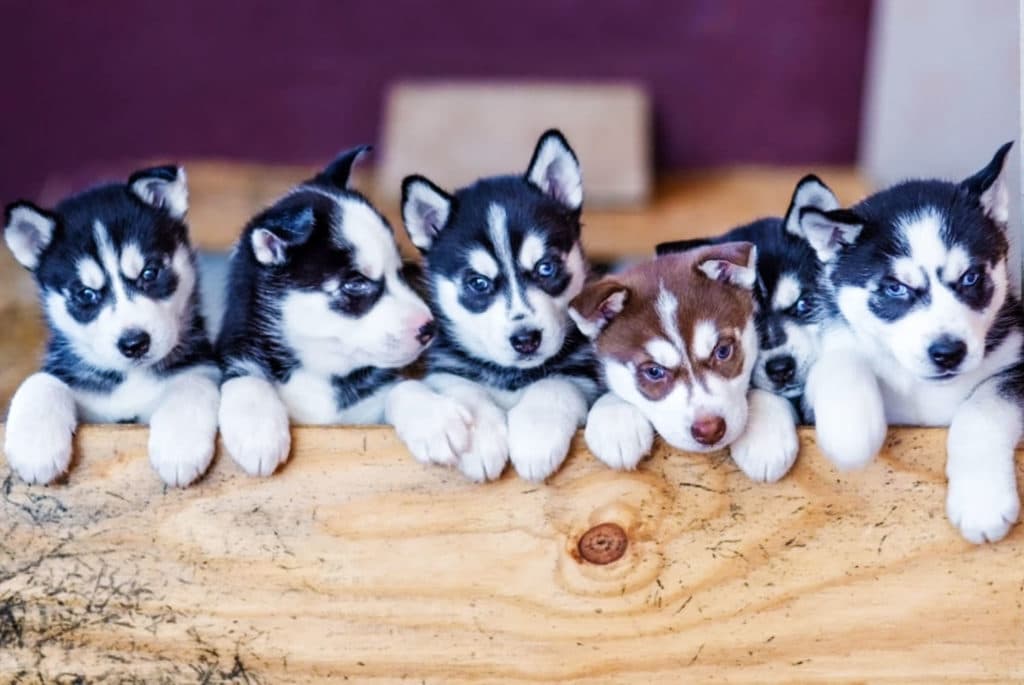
(355, 562)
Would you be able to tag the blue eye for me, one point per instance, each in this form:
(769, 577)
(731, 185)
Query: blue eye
(479, 284)
(970, 278)
(801, 307)
(654, 372)
(87, 297)
(357, 286)
(893, 288)
(723, 351)
(150, 273)
(547, 268)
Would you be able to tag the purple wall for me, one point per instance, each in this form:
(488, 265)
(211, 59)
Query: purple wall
(94, 83)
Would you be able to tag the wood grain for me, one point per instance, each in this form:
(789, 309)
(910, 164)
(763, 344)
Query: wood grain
(357, 562)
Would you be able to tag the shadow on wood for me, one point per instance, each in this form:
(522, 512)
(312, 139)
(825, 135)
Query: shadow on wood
(356, 561)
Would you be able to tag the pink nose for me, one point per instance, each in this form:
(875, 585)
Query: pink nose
(708, 430)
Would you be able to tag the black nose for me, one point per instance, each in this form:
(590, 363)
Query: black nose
(780, 369)
(426, 332)
(526, 341)
(947, 352)
(134, 343)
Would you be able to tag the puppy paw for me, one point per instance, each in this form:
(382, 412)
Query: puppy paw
(618, 434)
(768, 446)
(254, 425)
(39, 429)
(538, 441)
(487, 454)
(438, 432)
(183, 430)
(850, 435)
(982, 508)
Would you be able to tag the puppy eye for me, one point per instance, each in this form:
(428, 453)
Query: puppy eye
(723, 351)
(358, 286)
(970, 278)
(479, 284)
(893, 288)
(87, 297)
(801, 307)
(654, 372)
(150, 273)
(548, 268)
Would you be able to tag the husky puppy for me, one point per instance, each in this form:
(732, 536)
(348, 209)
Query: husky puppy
(319, 319)
(791, 303)
(676, 341)
(928, 333)
(117, 281)
(509, 377)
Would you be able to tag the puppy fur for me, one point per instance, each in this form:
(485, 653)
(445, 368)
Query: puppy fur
(320, 318)
(117, 281)
(509, 377)
(928, 333)
(676, 342)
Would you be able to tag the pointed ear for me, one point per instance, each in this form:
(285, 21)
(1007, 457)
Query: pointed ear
(990, 187)
(338, 172)
(425, 210)
(278, 230)
(595, 307)
(809, 192)
(828, 232)
(555, 170)
(28, 231)
(163, 187)
(681, 246)
(732, 263)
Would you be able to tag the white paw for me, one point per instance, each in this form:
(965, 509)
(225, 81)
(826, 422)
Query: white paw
(437, 431)
(850, 433)
(183, 430)
(618, 434)
(768, 446)
(254, 425)
(487, 453)
(982, 508)
(538, 441)
(40, 425)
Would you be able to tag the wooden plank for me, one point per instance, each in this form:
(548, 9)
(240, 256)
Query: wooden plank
(356, 561)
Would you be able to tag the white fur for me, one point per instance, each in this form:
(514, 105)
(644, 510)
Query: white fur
(424, 212)
(183, 429)
(826, 236)
(89, 273)
(556, 172)
(497, 231)
(664, 353)
(486, 454)
(436, 429)
(531, 251)
(171, 195)
(667, 306)
(267, 247)
(787, 292)
(40, 426)
(132, 261)
(27, 234)
(810, 193)
(996, 199)
(612, 306)
(310, 399)
(483, 263)
(705, 337)
(541, 426)
(767, 448)
(617, 433)
(743, 276)
(254, 425)
(982, 501)
(361, 227)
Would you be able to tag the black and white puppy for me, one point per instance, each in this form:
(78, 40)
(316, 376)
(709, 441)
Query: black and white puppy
(509, 376)
(319, 318)
(928, 334)
(117, 281)
(791, 303)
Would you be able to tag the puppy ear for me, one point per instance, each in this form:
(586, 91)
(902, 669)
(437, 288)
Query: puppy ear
(425, 210)
(681, 245)
(732, 263)
(338, 172)
(164, 187)
(809, 192)
(28, 231)
(828, 232)
(556, 171)
(989, 186)
(598, 303)
(278, 230)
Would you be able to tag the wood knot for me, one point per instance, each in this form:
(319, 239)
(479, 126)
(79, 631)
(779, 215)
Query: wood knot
(603, 544)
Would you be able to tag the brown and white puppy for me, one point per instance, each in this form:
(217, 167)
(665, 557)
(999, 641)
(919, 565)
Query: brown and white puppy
(676, 343)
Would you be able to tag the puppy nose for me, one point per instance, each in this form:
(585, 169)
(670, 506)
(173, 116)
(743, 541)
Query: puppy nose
(707, 430)
(947, 352)
(781, 369)
(133, 343)
(526, 341)
(426, 333)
